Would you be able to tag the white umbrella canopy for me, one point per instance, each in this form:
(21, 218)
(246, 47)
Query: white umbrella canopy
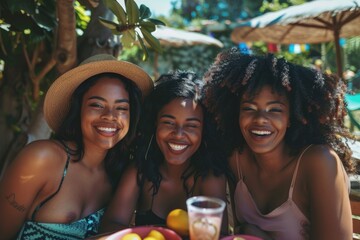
(178, 38)
(173, 37)
(312, 22)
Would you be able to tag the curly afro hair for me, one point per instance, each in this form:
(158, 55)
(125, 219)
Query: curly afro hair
(317, 100)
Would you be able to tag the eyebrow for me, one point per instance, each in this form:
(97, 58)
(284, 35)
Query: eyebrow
(268, 103)
(103, 99)
(188, 119)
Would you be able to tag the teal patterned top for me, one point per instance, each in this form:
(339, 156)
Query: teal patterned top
(80, 229)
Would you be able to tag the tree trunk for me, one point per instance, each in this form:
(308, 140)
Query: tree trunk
(65, 53)
(96, 39)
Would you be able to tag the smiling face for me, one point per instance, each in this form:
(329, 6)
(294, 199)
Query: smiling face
(105, 113)
(179, 130)
(264, 119)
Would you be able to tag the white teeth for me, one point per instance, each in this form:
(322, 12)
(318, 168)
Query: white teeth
(261, 132)
(107, 129)
(177, 147)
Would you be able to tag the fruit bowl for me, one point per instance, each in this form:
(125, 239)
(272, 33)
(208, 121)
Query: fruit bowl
(240, 237)
(143, 232)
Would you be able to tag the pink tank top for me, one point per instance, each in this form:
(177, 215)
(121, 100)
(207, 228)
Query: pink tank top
(283, 223)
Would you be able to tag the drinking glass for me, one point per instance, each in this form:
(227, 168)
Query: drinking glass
(205, 215)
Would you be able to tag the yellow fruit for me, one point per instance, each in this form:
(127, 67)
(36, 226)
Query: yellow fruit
(149, 238)
(131, 236)
(156, 234)
(178, 221)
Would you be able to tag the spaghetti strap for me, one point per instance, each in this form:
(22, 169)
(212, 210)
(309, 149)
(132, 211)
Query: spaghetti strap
(293, 180)
(152, 199)
(62, 179)
(237, 165)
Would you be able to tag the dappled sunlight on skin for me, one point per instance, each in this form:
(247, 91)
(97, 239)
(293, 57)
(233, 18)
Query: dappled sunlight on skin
(24, 179)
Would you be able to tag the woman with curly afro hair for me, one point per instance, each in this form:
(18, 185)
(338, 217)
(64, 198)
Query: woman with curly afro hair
(283, 127)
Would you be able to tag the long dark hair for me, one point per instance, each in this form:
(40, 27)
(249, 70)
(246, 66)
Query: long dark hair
(70, 129)
(179, 84)
(317, 107)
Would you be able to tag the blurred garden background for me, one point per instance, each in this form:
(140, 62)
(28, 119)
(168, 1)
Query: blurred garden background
(41, 39)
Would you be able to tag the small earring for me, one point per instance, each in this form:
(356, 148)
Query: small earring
(148, 148)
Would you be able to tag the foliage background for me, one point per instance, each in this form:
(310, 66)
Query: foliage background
(41, 39)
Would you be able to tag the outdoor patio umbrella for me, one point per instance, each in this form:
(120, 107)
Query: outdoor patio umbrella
(311, 22)
(177, 38)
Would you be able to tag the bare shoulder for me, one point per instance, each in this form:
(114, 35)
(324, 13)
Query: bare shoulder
(41, 155)
(213, 185)
(239, 159)
(128, 179)
(130, 172)
(320, 156)
(321, 159)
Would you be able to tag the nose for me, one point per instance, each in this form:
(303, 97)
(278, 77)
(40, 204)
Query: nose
(261, 117)
(178, 131)
(108, 114)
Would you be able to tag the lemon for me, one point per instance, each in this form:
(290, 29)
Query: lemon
(131, 236)
(178, 221)
(204, 229)
(149, 238)
(156, 234)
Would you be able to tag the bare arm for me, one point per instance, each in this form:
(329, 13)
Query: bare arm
(330, 211)
(121, 208)
(21, 184)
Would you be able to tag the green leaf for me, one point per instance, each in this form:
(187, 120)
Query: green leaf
(44, 19)
(146, 52)
(116, 32)
(132, 11)
(109, 24)
(128, 38)
(156, 21)
(151, 40)
(144, 12)
(117, 9)
(18, 5)
(82, 18)
(148, 25)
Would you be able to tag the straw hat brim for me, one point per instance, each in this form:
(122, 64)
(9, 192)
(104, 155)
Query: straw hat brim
(57, 99)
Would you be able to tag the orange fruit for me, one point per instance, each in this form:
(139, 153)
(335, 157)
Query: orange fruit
(156, 235)
(178, 221)
(131, 236)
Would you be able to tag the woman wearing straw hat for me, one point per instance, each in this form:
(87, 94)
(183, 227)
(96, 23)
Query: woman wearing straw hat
(57, 189)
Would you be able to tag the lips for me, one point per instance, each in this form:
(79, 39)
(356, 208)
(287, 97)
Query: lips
(177, 147)
(107, 129)
(261, 133)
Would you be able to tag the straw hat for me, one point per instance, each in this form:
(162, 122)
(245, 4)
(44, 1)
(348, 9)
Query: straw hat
(57, 99)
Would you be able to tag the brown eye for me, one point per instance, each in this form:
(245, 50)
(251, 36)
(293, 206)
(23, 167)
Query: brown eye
(96, 105)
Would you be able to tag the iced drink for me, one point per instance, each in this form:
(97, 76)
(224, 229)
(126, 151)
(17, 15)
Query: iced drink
(205, 215)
